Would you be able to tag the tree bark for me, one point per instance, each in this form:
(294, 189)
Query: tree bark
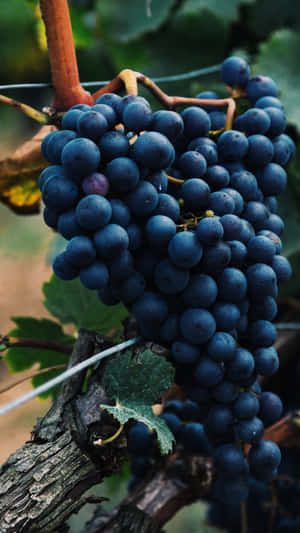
(42, 483)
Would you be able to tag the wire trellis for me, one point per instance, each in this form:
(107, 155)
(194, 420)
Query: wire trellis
(164, 79)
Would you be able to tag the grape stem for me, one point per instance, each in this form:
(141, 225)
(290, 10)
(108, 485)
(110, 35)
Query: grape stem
(36, 115)
(126, 79)
(32, 375)
(101, 442)
(11, 342)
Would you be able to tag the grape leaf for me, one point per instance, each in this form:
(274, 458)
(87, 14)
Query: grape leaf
(266, 16)
(125, 20)
(22, 358)
(226, 9)
(277, 60)
(19, 174)
(136, 385)
(72, 303)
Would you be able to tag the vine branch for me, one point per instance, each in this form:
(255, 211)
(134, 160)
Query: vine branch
(65, 77)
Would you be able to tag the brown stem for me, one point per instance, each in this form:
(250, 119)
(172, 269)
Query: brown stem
(32, 375)
(10, 342)
(244, 519)
(130, 78)
(172, 102)
(65, 76)
(40, 117)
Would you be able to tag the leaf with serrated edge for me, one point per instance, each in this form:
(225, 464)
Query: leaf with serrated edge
(135, 385)
(143, 413)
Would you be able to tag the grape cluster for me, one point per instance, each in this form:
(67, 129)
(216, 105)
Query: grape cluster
(176, 218)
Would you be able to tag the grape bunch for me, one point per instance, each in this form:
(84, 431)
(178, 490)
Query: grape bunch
(175, 216)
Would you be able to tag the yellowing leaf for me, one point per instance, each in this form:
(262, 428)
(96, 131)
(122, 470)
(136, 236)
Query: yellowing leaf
(19, 175)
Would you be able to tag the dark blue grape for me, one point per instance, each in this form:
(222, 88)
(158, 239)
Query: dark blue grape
(216, 258)
(278, 121)
(140, 440)
(95, 276)
(113, 144)
(151, 305)
(242, 366)
(50, 218)
(173, 422)
(284, 149)
(250, 431)
(232, 285)
(246, 406)
(137, 116)
(80, 157)
(111, 99)
(169, 123)
(266, 361)
(80, 251)
(60, 193)
(271, 408)
(160, 230)
(197, 325)
(120, 213)
(196, 122)
(218, 120)
(184, 249)
(185, 353)
(92, 125)
(168, 206)
(208, 373)
(235, 71)
(143, 200)
(123, 174)
(111, 240)
(63, 268)
(225, 392)
(268, 101)
(206, 147)
(245, 183)
(238, 254)
(209, 230)
(192, 164)
(169, 330)
(68, 226)
(282, 268)
(222, 347)
(169, 278)
(260, 151)
(108, 112)
(221, 203)
(195, 193)
(264, 459)
(201, 291)
(217, 177)
(93, 212)
(260, 86)
(70, 119)
(262, 281)
(232, 145)
(194, 439)
(56, 144)
(226, 316)
(121, 266)
(261, 249)
(229, 459)
(153, 150)
(262, 333)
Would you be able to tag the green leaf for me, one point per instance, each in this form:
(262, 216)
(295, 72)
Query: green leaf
(72, 303)
(226, 9)
(266, 16)
(143, 413)
(136, 385)
(22, 358)
(125, 20)
(279, 59)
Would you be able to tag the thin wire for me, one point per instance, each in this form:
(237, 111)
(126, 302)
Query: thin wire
(288, 325)
(66, 375)
(163, 79)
